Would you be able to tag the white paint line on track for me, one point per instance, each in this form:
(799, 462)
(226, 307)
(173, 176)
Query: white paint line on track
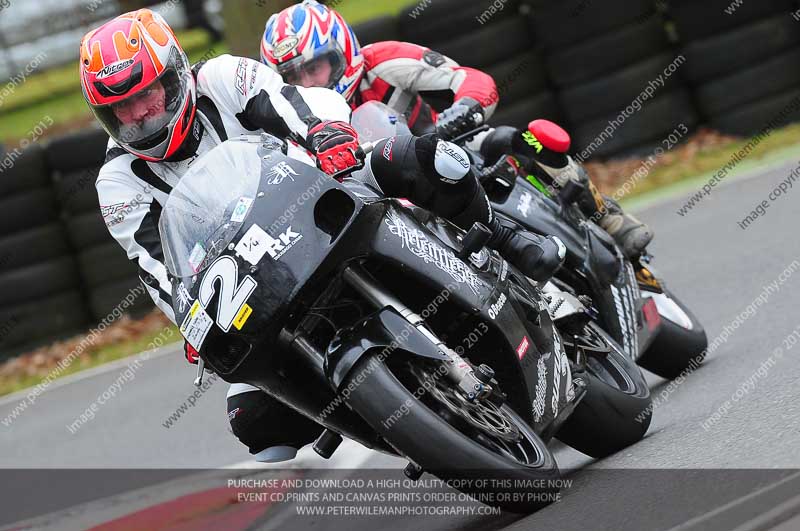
(767, 520)
(729, 505)
(745, 171)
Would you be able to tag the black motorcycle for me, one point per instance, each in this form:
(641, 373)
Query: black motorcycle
(390, 326)
(629, 299)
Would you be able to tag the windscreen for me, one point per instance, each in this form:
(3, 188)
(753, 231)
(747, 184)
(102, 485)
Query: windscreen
(208, 206)
(374, 121)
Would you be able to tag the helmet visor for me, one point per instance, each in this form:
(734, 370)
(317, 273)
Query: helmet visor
(142, 120)
(324, 69)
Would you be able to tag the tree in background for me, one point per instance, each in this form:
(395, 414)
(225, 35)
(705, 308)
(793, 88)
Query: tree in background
(196, 18)
(195, 15)
(244, 20)
(244, 23)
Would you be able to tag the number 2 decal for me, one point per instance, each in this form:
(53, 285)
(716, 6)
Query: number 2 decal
(231, 296)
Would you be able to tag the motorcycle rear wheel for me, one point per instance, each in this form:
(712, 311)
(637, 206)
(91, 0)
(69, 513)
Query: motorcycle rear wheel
(676, 349)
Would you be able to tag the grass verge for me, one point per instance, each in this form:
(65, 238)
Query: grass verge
(705, 152)
(357, 11)
(121, 339)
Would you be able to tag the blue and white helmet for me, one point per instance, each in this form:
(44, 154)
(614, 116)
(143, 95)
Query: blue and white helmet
(295, 38)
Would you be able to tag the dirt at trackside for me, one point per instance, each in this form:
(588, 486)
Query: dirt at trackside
(609, 175)
(41, 361)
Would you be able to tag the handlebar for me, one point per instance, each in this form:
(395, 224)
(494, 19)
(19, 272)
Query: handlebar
(366, 148)
(470, 134)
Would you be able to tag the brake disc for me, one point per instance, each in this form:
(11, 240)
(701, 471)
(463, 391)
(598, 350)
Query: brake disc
(590, 342)
(483, 415)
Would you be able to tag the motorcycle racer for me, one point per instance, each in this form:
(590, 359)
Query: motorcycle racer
(311, 45)
(161, 115)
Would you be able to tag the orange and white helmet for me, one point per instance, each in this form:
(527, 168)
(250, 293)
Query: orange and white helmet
(137, 80)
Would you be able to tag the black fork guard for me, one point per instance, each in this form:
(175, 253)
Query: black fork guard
(385, 330)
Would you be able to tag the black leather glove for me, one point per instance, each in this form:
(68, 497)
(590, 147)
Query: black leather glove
(465, 114)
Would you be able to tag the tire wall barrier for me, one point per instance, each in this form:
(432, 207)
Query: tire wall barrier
(61, 272)
(620, 75)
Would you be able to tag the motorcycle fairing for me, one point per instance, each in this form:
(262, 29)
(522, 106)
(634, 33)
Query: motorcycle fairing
(592, 257)
(283, 257)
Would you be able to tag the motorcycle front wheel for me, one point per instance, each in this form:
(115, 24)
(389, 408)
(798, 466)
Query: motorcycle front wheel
(616, 410)
(488, 452)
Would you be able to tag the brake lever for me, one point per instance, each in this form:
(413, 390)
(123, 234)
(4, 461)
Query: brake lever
(470, 134)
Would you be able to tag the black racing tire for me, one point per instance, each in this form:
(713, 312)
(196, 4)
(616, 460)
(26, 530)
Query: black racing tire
(27, 210)
(38, 281)
(78, 150)
(593, 58)
(710, 58)
(76, 192)
(695, 20)
(32, 324)
(612, 415)
(658, 117)
(26, 171)
(87, 230)
(103, 299)
(616, 90)
(522, 112)
(563, 23)
(518, 77)
(385, 28)
(493, 43)
(444, 20)
(746, 120)
(431, 442)
(32, 246)
(676, 350)
(105, 264)
(771, 77)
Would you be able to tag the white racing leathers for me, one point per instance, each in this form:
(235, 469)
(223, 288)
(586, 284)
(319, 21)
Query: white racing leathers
(235, 96)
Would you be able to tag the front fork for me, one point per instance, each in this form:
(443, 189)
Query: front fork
(459, 371)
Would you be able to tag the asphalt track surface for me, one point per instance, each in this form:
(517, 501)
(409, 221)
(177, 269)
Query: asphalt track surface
(686, 474)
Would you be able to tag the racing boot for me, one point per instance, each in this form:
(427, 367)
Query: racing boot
(631, 235)
(537, 257)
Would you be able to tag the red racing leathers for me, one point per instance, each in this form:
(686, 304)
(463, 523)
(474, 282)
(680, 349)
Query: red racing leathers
(420, 83)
